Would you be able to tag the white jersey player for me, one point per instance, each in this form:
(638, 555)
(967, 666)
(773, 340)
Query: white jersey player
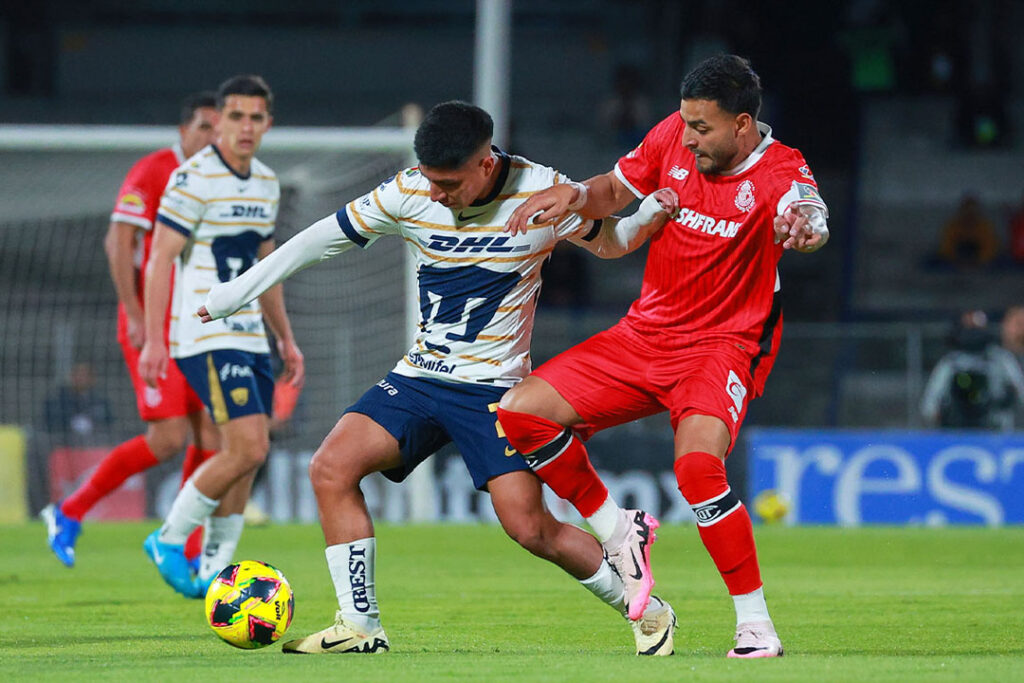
(216, 219)
(225, 216)
(477, 292)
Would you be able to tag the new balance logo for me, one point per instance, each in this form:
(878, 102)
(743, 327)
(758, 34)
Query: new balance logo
(678, 173)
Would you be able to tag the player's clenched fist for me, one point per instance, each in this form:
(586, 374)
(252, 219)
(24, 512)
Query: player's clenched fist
(152, 362)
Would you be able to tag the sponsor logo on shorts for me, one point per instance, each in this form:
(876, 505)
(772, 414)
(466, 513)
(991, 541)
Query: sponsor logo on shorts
(234, 370)
(240, 396)
(388, 387)
(509, 451)
(737, 392)
(152, 397)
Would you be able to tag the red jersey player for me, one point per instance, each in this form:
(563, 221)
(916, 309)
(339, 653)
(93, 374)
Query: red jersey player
(171, 407)
(699, 342)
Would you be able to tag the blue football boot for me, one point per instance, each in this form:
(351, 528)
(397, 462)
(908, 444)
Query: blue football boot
(201, 585)
(61, 533)
(171, 563)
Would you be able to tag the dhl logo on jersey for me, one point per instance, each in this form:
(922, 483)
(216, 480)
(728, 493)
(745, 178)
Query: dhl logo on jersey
(246, 211)
(131, 203)
(473, 245)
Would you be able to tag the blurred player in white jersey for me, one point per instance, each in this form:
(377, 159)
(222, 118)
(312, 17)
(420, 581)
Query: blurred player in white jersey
(478, 291)
(171, 408)
(216, 219)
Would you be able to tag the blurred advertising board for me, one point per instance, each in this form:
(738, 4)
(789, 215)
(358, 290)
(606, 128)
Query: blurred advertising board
(924, 478)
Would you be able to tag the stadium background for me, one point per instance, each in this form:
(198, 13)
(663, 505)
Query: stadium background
(900, 111)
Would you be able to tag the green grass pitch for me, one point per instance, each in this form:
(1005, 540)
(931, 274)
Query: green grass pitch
(465, 603)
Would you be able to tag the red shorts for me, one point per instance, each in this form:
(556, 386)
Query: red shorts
(172, 397)
(616, 376)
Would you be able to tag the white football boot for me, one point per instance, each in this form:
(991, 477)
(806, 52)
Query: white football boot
(653, 631)
(340, 638)
(756, 639)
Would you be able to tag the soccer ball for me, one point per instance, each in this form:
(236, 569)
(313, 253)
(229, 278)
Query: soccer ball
(771, 506)
(250, 604)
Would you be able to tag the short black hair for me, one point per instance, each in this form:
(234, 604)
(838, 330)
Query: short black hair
(249, 85)
(197, 100)
(451, 133)
(727, 80)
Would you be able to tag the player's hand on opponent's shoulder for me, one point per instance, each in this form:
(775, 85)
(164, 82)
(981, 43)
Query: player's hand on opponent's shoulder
(153, 362)
(794, 230)
(547, 205)
(294, 363)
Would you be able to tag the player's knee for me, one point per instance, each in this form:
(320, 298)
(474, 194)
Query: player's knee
(166, 438)
(327, 473)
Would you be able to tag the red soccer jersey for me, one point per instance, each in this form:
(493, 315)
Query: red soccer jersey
(138, 200)
(712, 270)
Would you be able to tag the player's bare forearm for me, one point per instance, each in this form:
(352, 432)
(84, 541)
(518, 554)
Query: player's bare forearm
(606, 195)
(272, 305)
(120, 249)
(597, 197)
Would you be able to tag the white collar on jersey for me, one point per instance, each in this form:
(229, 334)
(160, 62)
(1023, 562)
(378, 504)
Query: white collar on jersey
(766, 139)
(179, 153)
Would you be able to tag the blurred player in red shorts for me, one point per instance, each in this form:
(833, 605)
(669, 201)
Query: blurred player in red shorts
(701, 339)
(172, 408)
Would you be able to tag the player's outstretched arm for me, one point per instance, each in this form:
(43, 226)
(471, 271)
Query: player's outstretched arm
(597, 197)
(621, 236)
(319, 242)
(167, 244)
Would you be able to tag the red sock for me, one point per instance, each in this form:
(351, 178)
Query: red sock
(557, 457)
(194, 457)
(131, 457)
(722, 520)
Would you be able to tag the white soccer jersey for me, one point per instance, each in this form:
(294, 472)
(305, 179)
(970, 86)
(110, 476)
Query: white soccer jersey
(226, 217)
(478, 285)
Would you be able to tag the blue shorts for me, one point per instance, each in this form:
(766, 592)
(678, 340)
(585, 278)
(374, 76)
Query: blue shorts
(426, 414)
(230, 383)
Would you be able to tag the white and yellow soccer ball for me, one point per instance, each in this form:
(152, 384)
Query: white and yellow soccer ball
(771, 506)
(250, 604)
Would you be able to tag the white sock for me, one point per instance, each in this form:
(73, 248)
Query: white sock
(189, 510)
(607, 521)
(607, 586)
(221, 540)
(751, 607)
(352, 570)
